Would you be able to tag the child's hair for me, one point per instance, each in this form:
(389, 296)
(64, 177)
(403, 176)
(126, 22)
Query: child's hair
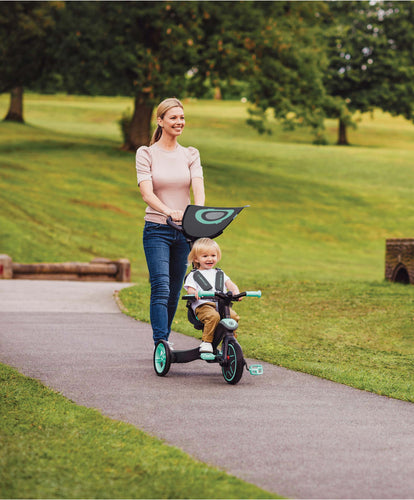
(200, 246)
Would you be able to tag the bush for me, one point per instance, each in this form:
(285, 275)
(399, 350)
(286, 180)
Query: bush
(125, 124)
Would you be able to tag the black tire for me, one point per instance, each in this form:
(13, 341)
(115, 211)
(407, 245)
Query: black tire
(233, 369)
(162, 358)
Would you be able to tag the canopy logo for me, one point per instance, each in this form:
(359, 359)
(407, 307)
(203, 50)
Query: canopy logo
(213, 216)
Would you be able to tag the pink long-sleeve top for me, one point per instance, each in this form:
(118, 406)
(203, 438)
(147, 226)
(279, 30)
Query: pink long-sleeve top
(171, 173)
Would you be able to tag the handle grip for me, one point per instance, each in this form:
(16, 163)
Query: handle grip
(171, 223)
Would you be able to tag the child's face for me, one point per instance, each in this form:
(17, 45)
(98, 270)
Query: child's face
(207, 259)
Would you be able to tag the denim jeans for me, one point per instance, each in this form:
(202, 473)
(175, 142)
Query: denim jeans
(166, 251)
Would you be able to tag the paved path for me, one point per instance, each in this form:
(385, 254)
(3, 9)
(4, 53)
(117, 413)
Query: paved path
(290, 433)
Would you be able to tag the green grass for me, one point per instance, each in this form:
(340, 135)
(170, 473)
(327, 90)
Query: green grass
(52, 448)
(355, 333)
(318, 214)
(313, 239)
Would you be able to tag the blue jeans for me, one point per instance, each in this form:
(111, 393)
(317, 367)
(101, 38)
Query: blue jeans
(166, 251)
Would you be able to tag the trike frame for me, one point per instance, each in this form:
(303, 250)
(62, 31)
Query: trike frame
(229, 357)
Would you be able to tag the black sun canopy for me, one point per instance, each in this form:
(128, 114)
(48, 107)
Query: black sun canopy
(207, 222)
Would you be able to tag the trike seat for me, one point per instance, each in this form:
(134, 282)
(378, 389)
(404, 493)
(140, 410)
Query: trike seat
(192, 318)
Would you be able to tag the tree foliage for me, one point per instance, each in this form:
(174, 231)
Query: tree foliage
(370, 50)
(303, 60)
(24, 31)
(288, 67)
(137, 49)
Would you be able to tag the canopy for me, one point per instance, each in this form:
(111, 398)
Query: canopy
(207, 222)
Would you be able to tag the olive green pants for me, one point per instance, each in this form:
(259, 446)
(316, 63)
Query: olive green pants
(210, 317)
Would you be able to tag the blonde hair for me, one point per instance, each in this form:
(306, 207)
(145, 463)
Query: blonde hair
(200, 246)
(163, 107)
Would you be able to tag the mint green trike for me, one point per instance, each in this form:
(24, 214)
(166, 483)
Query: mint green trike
(227, 353)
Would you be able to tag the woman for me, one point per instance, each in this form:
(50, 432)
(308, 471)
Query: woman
(166, 171)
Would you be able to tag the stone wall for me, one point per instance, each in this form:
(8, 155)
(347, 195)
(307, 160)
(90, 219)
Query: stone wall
(98, 269)
(399, 260)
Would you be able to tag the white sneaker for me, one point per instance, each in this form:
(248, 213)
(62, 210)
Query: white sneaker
(170, 344)
(206, 347)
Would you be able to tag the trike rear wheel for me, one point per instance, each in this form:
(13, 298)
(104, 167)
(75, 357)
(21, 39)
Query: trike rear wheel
(162, 358)
(233, 369)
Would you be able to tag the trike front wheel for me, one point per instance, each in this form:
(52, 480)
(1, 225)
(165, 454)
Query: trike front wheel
(233, 368)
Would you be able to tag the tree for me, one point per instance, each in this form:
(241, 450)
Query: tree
(224, 57)
(288, 65)
(137, 49)
(152, 50)
(370, 50)
(24, 31)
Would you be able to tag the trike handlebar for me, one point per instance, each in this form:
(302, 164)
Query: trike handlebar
(224, 295)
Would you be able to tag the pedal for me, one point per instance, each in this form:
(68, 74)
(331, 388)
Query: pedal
(255, 369)
(207, 356)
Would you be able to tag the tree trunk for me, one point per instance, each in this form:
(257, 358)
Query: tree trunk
(342, 134)
(140, 127)
(15, 113)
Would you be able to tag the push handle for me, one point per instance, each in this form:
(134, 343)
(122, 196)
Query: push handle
(171, 223)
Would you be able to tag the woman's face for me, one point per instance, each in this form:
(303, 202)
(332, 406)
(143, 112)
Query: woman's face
(173, 121)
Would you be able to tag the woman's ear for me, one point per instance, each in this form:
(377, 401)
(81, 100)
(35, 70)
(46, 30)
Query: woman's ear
(159, 121)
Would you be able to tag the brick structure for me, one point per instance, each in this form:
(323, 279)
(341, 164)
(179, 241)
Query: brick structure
(399, 260)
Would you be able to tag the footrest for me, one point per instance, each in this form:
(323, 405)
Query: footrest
(207, 356)
(255, 369)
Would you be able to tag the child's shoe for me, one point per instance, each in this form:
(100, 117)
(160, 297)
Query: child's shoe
(206, 347)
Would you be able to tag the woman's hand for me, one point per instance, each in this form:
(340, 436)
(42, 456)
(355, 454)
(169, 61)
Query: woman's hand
(176, 215)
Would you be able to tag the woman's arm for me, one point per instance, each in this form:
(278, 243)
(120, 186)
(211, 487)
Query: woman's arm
(197, 185)
(155, 203)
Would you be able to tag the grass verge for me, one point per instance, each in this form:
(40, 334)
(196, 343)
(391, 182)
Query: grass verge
(52, 448)
(355, 333)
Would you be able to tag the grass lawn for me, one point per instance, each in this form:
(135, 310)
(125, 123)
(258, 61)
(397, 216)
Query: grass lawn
(52, 448)
(313, 239)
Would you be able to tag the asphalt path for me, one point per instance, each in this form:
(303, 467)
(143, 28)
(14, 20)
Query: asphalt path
(290, 433)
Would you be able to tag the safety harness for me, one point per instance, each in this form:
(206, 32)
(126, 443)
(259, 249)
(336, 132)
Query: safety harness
(206, 286)
(201, 280)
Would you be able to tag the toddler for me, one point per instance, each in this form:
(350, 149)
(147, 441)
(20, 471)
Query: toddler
(204, 255)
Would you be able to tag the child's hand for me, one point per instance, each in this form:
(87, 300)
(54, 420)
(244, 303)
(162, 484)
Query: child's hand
(192, 291)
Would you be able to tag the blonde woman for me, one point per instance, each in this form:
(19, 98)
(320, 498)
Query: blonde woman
(204, 256)
(167, 173)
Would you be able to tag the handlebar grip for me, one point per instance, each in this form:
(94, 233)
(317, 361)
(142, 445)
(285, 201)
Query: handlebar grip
(256, 293)
(202, 295)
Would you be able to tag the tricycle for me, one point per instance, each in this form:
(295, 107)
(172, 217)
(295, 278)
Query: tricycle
(209, 222)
